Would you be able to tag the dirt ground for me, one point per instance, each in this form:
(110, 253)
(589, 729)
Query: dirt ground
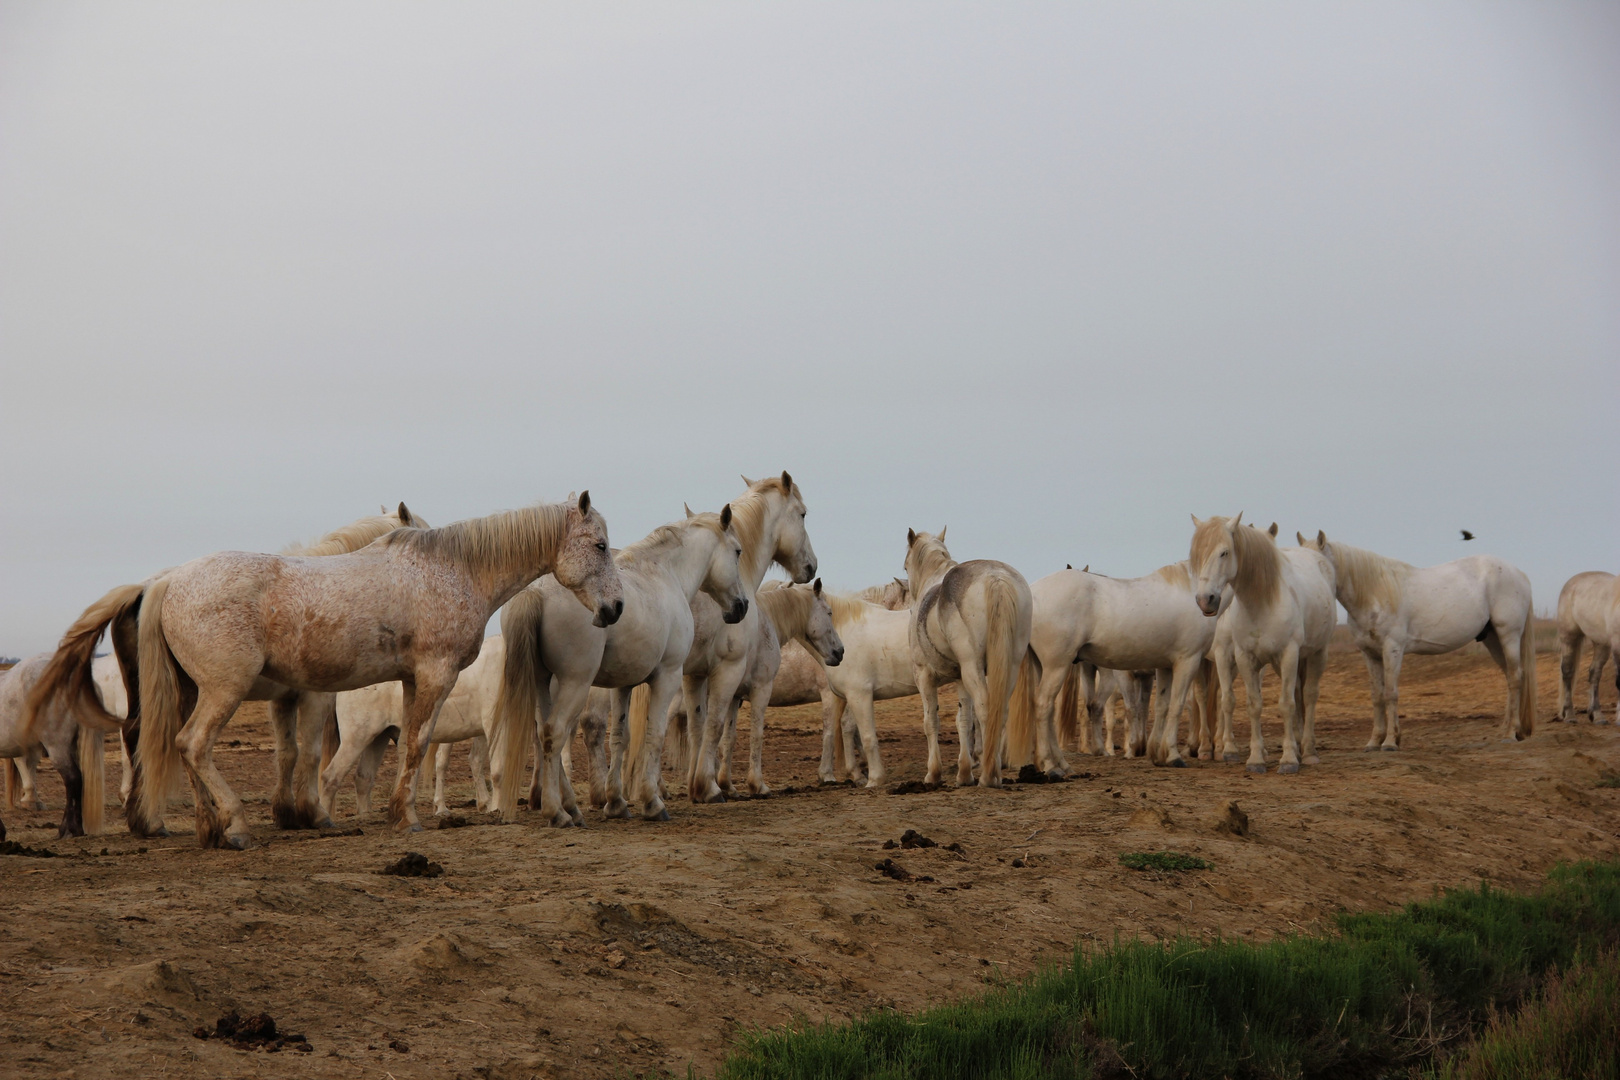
(628, 947)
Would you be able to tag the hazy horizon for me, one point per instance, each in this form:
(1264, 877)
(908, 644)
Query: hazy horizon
(1057, 277)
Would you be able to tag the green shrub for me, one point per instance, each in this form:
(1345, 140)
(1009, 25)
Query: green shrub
(1570, 1032)
(1163, 860)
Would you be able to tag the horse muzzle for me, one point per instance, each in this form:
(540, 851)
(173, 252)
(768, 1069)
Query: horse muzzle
(805, 576)
(608, 614)
(1210, 605)
(835, 658)
(739, 608)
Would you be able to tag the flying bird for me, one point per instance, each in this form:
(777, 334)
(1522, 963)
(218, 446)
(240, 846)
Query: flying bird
(1467, 535)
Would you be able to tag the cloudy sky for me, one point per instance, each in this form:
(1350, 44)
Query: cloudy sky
(1055, 275)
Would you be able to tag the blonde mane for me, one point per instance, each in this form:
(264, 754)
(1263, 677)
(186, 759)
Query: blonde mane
(1176, 574)
(352, 537)
(848, 609)
(489, 546)
(1258, 581)
(1367, 577)
(666, 537)
(748, 522)
(788, 608)
(932, 556)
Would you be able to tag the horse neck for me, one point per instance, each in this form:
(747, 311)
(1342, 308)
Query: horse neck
(352, 537)
(686, 561)
(1364, 578)
(1258, 580)
(934, 566)
(756, 527)
(788, 609)
(503, 552)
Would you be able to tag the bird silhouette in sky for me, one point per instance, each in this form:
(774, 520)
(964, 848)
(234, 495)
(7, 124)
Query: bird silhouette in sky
(1467, 535)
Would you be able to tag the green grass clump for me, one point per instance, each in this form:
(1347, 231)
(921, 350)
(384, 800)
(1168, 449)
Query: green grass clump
(1383, 995)
(1609, 781)
(1570, 1032)
(1163, 860)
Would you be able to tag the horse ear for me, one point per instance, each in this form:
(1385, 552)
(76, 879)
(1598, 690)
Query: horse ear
(1321, 539)
(1068, 566)
(1086, 569)
(1273, 530)
(787, 483)
(725, 516)
(911, 538)
(902, 584)
(1237, 520)
(688, 508)
(1300, 537)
(584, 503)
(941, 536)
(384, 509)
(405, 517)
(1196, 523)
(747, 481)
(816, 588)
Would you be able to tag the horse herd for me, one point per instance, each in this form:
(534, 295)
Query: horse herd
(377, 633)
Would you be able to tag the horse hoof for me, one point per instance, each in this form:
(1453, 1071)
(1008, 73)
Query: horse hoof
(1178, 763)
(1313, 760)
(1392, 749)
(326, 823)
(1258, 770)
(662, 815)
(1288, 768)
(237, 843)
(1231, 759)
(717, 797)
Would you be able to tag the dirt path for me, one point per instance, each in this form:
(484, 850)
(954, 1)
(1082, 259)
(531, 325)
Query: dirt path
(629, 946)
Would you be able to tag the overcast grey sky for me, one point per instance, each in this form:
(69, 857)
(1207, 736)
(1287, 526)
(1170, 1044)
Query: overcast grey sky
(1054, 275)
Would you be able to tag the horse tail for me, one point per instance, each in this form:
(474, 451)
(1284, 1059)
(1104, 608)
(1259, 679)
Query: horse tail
(1000, 663)
(158, 753)
(93, 770)
(67, 678)
(1021, 712)
(1527, 674)
(13, 782)
(1068, 709)
(640, 712)
(519, 697)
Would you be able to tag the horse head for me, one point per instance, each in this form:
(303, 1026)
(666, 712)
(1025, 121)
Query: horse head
(584, 565)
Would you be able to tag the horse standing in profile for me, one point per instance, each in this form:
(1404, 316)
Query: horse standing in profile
(1085, 621)
(971, 624)
(297, 718)
(411, 606)
(1281, 615)
(1588, 610)
(798, 614)
(549, 642)
(769, 520)
(77, 752)
(1396, 608)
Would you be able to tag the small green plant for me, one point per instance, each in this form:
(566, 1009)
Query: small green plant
(1610, 781)
(1164, 860)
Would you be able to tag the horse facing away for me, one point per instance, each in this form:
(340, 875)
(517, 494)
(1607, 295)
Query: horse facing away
(1396, 608)
(295, 716)
(972, 624)
(769, 520)
(77, 752)
(1588, 610)
(548, 642)
(1085, 621)
(1281, 614)
(411, 606)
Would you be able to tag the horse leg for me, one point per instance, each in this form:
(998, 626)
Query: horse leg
(284, 730)
(858, 763)
(65, 757)
(1172, 701)
(609, 740)
(440, 764)
(1226, 709)
(757, 701)
(929, 692)
(1504, 649)
(595, 728)
(1136, 712)
(970, 738)
(694, 694)
(424, 696)
(28, 780)
(221, 821)
(1047, 692)
(728, 742)
(351, 753)
(1288, 704)
(975, 689)
(558, 718)
(660, 696)
(316, 712)
(368, 764)
(126, 761)
(1203, 718)
(1093, 736)
(832, 744)
(1314, 665)
(1600, 657)
(1569, 658)
(1249, 671)
(1390, 664)
(720, 700)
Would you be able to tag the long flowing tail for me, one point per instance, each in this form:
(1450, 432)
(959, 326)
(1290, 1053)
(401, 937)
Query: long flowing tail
(93, 767)
(640, 710)
(1527, 672)
(519, 700)
(67, 680)
(1068, 710)
(1001, 663)
(158, 752)
(1021, 712)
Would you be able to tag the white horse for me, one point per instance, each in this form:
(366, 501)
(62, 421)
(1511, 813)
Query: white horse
(769, 519)
(553, 659)
(1085, 621)
(77, 753)
(1133, 691)
(296, 716)
(411, 606)
(972, 624)
(788, 613)
(1396, 608)
(1281, 614)
(1588, 610)
(370, 717)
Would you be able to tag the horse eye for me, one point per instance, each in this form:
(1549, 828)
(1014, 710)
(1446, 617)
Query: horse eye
(601, 545)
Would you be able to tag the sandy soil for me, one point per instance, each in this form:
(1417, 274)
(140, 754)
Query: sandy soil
(630, 946)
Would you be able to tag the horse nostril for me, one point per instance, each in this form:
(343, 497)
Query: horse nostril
(618, 608)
